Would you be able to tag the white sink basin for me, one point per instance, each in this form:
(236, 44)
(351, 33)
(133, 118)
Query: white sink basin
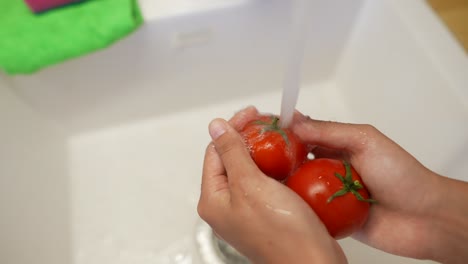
(100, 157)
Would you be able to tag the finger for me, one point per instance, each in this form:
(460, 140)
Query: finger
(215, 195)
(232, 151)
(214, 175)
(332, 135)
(241, 118)
(321, 152)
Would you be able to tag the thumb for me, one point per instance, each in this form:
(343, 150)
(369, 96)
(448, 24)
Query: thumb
(232, 150)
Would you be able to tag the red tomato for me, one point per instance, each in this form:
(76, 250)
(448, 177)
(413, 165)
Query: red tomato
(335, 192)
(276, 151)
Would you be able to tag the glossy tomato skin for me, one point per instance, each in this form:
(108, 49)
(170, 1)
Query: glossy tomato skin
(275, 155)
(315, 182)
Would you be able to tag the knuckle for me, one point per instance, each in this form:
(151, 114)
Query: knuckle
(209, 147)
(227, 144)
(203, 210)
(370, 129)
(366, 135)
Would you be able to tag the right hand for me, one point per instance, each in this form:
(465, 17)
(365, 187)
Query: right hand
(402, 221)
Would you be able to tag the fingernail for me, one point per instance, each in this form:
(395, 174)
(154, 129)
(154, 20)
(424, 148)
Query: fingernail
(216, 128)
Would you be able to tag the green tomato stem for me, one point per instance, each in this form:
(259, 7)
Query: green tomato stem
(274, 126)
(349, 186)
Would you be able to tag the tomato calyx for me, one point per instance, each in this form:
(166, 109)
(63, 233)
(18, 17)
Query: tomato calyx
(349, 186)
(274, 127)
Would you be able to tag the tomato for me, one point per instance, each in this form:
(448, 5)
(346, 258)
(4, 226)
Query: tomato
(276, 151)
(336, 193)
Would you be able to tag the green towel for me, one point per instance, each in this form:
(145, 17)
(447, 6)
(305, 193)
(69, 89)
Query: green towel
(29, 42)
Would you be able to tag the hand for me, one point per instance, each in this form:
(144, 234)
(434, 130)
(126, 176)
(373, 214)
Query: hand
(419, 213)
(260, 217)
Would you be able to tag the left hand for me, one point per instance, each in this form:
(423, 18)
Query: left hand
(259, 216)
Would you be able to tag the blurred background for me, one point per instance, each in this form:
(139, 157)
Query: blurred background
(454, 13)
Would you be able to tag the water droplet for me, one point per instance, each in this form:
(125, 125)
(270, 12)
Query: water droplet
(364, 137)
(278, 210)
(282, 211)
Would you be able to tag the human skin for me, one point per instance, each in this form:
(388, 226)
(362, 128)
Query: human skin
(419, 213)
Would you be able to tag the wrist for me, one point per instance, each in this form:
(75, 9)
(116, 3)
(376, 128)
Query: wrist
(301, 251)
(450, 221)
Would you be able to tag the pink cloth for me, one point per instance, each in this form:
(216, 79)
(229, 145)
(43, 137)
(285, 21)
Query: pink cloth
(42, 5)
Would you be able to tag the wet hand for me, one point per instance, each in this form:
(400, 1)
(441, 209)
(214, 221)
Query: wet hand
(401, 222)
(259, 216)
